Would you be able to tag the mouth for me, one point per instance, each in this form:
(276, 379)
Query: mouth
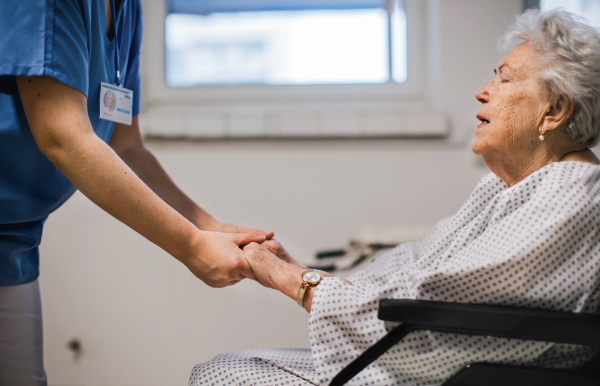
(483, 120)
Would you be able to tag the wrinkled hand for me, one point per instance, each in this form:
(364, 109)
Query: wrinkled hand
(277, 249)
(266, 267)
(216, 258)
(272, 272)
(229, 228)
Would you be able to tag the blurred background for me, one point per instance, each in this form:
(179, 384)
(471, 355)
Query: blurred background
(321, 120)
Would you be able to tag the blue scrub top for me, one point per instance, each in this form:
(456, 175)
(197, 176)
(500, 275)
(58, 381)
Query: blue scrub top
(66, 40)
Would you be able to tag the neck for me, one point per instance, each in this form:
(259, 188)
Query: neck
(585, 155)
(514, 168)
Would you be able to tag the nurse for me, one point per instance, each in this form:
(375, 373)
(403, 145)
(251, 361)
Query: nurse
(58, 59)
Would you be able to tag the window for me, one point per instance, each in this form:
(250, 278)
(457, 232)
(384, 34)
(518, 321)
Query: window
(286, 69)
(589, 9)
(285, 42)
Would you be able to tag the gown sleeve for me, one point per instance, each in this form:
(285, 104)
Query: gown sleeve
(535, 244)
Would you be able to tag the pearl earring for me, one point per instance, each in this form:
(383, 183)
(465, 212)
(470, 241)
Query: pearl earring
(542, 136)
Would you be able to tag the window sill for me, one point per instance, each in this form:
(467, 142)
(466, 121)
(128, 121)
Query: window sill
(189, 123)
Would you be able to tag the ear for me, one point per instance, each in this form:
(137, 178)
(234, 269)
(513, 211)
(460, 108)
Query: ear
(558, 113)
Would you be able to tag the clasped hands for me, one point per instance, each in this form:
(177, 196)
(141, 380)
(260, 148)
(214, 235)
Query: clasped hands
(220, 258)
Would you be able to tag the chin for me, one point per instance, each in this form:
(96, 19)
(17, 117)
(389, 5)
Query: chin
(476, 146)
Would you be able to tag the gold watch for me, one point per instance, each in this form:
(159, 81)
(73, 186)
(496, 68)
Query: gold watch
(310, 278)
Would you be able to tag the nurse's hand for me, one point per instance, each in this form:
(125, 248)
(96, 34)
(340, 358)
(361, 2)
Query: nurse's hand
(216, 226)
(216, 258)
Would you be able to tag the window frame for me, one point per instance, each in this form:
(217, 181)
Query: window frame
(158, 93)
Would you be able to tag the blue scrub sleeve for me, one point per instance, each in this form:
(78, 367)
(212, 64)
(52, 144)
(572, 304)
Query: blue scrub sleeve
(40, 38)
(132, 81)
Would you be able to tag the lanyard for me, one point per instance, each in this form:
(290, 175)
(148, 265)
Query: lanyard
(118, 32)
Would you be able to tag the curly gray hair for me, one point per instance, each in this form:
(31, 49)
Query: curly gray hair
(569, 64)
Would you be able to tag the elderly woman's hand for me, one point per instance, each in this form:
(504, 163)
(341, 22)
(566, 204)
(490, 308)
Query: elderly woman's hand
(277, 249)
(272, 272)
(266, 266)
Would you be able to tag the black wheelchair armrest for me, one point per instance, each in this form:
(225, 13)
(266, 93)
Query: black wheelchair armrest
(477, 319)
(497, 321)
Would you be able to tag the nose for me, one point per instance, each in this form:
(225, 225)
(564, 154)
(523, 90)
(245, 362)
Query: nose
(483, 95)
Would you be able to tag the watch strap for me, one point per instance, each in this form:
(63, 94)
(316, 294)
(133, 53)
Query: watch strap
(302, 294)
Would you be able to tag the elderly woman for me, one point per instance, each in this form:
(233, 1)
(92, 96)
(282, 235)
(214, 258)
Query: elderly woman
(527, 236)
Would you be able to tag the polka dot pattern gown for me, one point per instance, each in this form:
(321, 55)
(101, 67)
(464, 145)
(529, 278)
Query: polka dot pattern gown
(535, 244)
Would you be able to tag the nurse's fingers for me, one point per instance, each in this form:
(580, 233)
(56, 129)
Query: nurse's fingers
(242, 239)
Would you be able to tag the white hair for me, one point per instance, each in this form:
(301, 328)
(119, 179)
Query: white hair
(569, 64)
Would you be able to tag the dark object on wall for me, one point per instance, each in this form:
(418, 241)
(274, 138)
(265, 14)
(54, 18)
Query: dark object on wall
(488, 320)
(528, 4)
(75, 346)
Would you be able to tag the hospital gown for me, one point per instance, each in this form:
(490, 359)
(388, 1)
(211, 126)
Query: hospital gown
(535, 244)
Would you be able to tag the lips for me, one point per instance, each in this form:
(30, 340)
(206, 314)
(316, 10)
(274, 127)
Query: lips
(484, 121)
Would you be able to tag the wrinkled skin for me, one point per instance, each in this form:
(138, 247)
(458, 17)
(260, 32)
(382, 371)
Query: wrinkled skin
(277, 249)
(275, 273)
(518, 111)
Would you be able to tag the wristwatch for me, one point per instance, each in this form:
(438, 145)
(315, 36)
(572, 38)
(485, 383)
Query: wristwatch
(310, 278)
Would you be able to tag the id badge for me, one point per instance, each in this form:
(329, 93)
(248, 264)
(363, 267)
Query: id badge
(116, 103)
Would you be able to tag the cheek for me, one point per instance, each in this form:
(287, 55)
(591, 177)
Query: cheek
(508, 109)
(517, 112)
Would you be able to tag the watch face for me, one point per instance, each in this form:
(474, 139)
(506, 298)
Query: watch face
(312, 277)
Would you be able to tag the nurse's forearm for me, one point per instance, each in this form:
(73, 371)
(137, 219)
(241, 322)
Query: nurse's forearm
(94, 168)
(127, 142)
(147, 167)
(58, 119)
(57, 116)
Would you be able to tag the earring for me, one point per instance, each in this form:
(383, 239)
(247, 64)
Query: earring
(542, 136)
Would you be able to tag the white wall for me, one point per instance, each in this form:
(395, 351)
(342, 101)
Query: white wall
(143, 319)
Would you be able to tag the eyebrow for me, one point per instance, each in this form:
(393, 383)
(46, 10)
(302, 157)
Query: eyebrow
(500, 68)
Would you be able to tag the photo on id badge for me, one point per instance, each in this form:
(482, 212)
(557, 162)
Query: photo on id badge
(115, 103)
